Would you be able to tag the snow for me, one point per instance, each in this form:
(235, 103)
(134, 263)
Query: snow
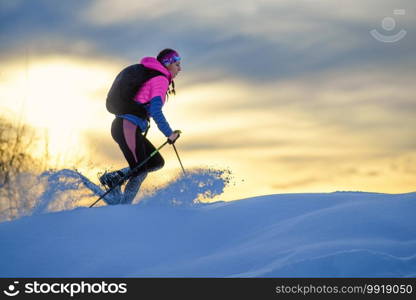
(171, 233)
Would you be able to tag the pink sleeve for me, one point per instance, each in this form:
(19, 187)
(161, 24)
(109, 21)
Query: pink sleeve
(158, 87)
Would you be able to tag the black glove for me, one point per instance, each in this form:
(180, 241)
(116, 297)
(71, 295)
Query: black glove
(175, 135)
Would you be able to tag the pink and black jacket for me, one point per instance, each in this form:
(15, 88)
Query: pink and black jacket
(153, 96)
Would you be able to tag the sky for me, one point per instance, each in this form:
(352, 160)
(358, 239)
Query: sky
(290, 96)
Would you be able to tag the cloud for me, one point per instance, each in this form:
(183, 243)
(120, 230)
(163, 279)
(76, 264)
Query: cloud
(271, 39)
(200, 11)
(105, 148)
(253, 40)
(297, 183)
(364, 106)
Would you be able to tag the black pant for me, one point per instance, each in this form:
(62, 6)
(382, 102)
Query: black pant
(135, 147)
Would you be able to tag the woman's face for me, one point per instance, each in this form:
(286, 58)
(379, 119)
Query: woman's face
(174, 68)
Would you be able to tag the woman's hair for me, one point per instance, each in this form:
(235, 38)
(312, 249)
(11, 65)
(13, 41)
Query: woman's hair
(162, 54)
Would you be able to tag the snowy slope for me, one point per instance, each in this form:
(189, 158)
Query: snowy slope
(340, 234)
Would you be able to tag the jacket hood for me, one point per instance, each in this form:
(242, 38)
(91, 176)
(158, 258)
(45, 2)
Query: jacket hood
(154, 64)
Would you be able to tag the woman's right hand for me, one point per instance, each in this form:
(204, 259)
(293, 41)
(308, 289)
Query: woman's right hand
(174, 136)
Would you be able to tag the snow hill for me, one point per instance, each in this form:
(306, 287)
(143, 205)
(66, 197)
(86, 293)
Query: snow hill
(171, 234)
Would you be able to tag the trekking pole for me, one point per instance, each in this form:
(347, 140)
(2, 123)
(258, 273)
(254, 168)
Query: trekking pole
(176, 151)
(130, 173)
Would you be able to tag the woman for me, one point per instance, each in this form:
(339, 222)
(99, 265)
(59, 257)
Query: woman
(127, 129)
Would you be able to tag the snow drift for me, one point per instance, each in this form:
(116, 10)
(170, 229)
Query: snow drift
(170, 233)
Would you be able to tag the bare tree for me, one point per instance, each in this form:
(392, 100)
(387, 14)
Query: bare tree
(16, 144)
(21, 173)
